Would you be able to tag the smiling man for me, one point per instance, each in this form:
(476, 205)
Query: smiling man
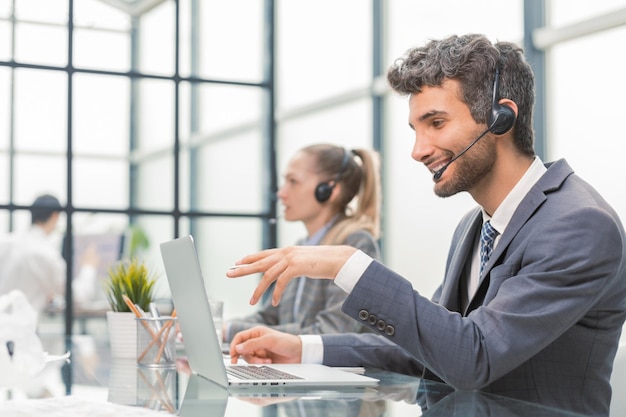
(534, 295)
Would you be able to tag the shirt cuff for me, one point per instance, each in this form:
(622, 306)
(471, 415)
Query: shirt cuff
(312, 348)
(351, 271)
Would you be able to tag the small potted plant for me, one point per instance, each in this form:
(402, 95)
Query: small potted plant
(132, 279)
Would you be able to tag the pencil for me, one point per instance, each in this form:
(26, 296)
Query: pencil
(167, 335)
(130, 305)
(157, 338)
(134, 309)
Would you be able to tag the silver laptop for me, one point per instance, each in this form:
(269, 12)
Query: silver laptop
(202, 347)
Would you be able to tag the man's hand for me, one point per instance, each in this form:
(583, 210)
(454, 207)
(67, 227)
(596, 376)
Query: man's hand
(282, 265)
(262, 345)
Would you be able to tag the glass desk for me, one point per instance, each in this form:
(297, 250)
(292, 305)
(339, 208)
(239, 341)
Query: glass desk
(396, 395)
(106, 387)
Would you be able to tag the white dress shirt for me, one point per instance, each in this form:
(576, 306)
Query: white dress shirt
(502, 216)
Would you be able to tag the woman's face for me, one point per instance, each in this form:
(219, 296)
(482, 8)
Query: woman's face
(297, 193)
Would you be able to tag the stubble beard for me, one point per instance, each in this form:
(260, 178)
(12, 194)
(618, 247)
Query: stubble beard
(470, 169)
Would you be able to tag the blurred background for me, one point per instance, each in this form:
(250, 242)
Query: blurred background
(152, 119)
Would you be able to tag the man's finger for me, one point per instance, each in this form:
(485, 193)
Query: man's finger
(264, 284)
(252, 351)
(279, 288)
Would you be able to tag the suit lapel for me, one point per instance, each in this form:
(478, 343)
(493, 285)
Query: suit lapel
(551, 180)
(463, 246)
(457, 265)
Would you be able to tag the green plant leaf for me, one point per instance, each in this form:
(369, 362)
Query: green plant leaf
(130, 278)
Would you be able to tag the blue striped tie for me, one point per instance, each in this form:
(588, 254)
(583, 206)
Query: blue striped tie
(487, 236)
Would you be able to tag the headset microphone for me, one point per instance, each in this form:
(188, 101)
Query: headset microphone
(440, 171)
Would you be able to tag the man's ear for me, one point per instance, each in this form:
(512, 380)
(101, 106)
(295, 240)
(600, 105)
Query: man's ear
(502, 117)
(510, 103)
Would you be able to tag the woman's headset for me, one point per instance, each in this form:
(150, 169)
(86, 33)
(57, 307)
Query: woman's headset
(325, 189)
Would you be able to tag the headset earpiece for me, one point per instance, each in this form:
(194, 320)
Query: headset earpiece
(324, 190)
(502, 117)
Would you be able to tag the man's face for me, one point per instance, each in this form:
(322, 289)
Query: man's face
(443, 128)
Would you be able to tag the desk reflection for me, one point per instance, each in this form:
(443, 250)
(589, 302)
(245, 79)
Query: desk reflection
(205, 398)
(177, 391)
(479, 404)
(156, 389)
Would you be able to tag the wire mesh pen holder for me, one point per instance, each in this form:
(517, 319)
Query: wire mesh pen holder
(156, 342)
(156, 388)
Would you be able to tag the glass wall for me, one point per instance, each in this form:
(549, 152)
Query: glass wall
(585, 97)
(141, 115)
(179, 117)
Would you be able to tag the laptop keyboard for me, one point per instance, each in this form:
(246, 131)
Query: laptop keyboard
(258, 372)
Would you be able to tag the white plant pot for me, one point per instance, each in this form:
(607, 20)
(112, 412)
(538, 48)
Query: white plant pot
(122, 334)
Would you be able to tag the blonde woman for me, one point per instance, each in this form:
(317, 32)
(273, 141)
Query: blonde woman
(335, 193)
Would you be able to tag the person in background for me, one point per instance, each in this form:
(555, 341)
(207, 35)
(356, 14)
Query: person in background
(533, 299)
(32, 263)
(336, 194)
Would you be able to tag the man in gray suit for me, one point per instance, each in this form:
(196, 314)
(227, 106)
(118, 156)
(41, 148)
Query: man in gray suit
(535, 315)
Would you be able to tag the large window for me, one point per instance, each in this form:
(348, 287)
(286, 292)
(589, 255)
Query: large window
(585, 104)
(142, 114)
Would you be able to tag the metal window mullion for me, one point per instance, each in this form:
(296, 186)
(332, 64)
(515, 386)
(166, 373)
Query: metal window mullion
(269, 228)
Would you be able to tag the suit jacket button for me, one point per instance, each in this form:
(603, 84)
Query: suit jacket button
(364, 315)
(381, 325)
(390, 330)
(373, 319)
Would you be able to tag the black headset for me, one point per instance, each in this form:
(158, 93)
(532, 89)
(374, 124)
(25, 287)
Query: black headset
(502, 117)
(325, 189)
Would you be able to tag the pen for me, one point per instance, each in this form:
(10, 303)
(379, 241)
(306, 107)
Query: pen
(155, 314)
